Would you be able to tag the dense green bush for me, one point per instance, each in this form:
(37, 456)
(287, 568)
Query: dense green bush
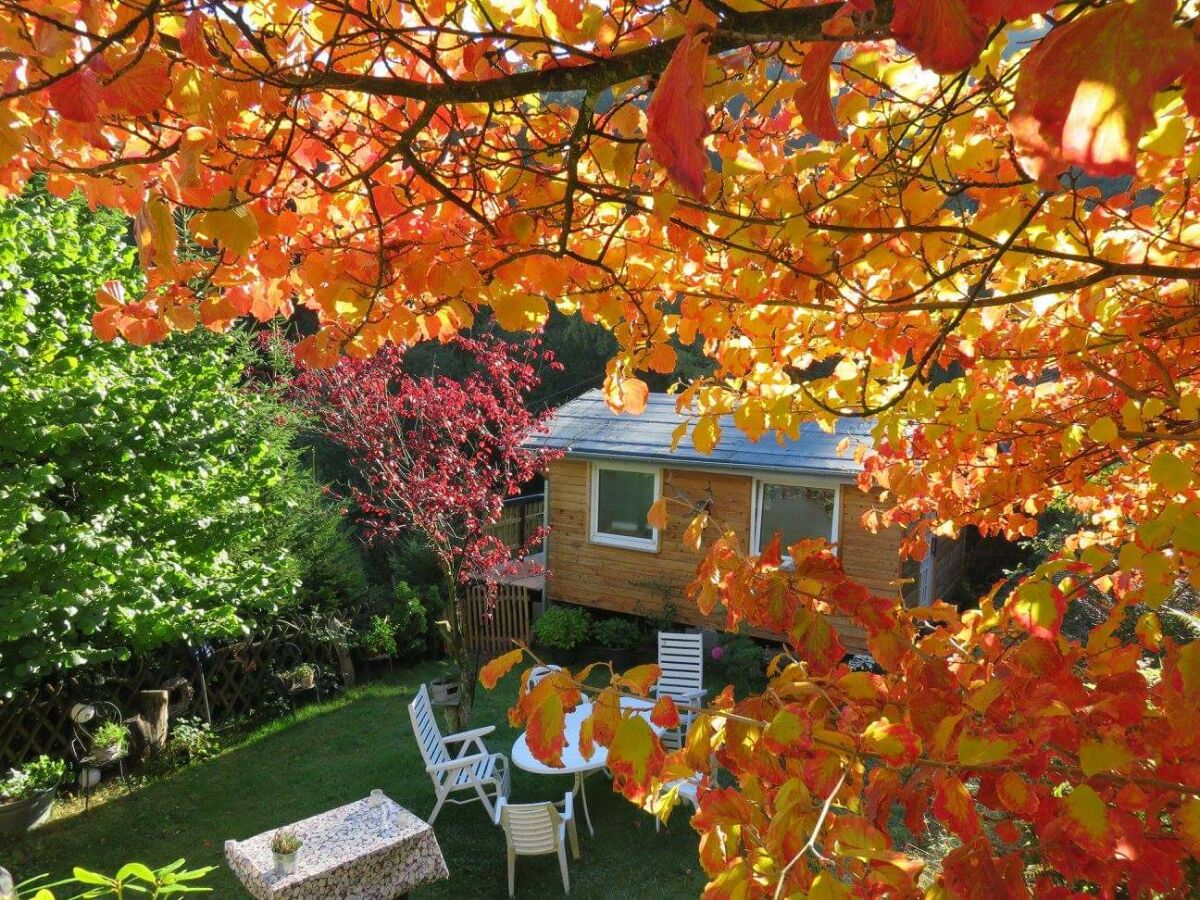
(145, 496)
(562, 627)
(618, 633)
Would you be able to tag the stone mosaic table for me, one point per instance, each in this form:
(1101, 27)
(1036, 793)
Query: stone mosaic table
(354, 852)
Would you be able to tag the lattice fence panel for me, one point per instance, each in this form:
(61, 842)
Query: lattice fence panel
(494, 627)
(239, 678)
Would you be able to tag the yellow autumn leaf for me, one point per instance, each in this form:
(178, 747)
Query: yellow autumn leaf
(656, 516)
(520, 311)
(1103, 756)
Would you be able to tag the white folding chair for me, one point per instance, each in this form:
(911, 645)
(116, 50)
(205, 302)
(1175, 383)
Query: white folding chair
(471, 769)
(535, 829)
(681, 658)
(537, 673)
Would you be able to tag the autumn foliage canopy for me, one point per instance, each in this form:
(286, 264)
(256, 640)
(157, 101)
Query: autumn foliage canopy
(972, 221)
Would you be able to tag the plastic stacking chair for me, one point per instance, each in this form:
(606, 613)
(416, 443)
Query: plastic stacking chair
(536, 829)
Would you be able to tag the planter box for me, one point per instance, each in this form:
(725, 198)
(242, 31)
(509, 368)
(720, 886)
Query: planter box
(24, 815)
(622, 658)
(558, 657)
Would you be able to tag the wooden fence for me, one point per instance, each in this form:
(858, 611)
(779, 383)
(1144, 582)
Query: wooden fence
(493, 627)
(237, 678)
(520, 518)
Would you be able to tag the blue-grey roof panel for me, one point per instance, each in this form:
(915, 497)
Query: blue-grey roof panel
(586, 427)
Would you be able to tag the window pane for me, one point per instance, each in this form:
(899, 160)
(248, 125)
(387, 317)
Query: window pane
(797, 512)
(623, 499)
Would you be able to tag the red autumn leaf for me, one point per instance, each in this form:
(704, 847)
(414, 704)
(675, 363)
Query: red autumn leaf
(943, 34)
(499, 667)
(664, 714)
(634, 757)
(992, 11)
(1084, 96)
(192, 41)
(954, 806)
(77, 96)
(676, 120)
(139, 90)
(569, 13)
(970, 872)
(812, 98)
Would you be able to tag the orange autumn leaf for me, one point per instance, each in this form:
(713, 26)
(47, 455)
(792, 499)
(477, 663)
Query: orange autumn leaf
(544, 729)
(1084, 96)
(639, 679)
(192, 41)
(676, 119)
(606, 716)
(664, 714)
(656, 516)
(944, 34)
(1016, 794)
(497, 668)
(634, 758)
(894, 742)
(812, 98)
(632, 395)
(140, 89)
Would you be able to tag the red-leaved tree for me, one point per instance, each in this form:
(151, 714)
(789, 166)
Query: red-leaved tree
(439, 456)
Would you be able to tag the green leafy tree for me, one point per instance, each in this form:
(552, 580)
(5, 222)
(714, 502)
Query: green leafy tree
(143, 493)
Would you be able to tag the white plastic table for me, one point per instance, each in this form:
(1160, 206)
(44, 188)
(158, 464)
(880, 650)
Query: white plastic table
(573, 761)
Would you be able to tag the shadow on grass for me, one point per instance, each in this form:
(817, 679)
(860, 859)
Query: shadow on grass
(336, 752)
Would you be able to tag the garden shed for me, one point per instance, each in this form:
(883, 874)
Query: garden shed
(602, 553)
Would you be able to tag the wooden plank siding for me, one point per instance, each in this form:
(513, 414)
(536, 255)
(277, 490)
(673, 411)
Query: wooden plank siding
(647, 583)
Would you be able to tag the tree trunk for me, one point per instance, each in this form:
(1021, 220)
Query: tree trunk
(153, 707)
(345, 664)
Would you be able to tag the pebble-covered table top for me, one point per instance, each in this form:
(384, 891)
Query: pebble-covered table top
(354, 852)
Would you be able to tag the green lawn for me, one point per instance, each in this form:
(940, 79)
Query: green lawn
(338, 752)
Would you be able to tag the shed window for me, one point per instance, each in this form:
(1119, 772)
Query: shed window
(621, 498)
(798, 511)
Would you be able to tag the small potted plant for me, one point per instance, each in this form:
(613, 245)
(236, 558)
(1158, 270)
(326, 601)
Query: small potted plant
(284, 847)
(443, 689)
(615, 640)
(301, 678)
(561, 631)
(379, 640)
(27, 795)
(109, 743)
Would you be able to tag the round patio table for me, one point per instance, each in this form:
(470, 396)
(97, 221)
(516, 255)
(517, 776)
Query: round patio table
(573, 761)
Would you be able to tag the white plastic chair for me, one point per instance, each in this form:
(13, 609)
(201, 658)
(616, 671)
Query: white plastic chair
(471, 769)
(681, 658)
(538, 673)
(535, 829)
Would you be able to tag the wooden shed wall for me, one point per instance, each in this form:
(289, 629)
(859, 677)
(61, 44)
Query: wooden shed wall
(643, 583)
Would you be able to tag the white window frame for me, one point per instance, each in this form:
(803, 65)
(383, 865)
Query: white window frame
(595, 535)
(756, 489)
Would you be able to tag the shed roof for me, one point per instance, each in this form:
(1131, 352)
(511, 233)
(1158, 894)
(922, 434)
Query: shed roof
(587, 428)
